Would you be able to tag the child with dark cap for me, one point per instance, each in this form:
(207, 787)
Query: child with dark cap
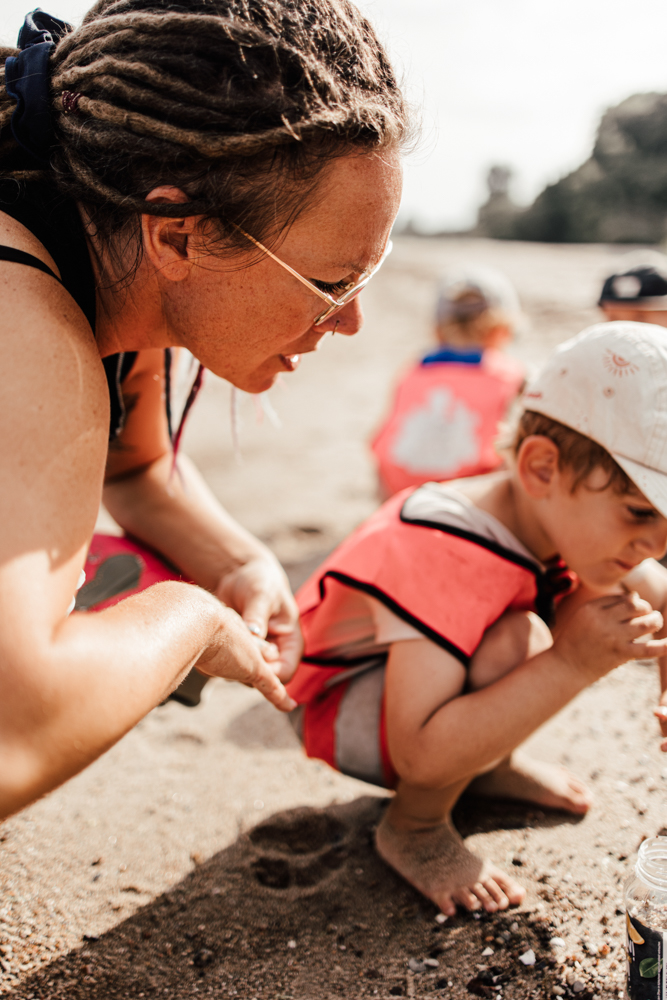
(638, 290)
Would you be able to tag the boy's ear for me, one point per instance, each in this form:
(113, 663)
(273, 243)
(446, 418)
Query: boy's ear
(537, 465)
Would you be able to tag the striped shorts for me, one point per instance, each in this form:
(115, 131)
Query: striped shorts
(345, 726)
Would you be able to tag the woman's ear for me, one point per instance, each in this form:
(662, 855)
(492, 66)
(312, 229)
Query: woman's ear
(168, 242)
(537, 465)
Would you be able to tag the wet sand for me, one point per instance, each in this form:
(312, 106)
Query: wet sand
(205, 855)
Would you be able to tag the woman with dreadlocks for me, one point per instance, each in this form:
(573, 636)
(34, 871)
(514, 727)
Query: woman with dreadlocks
(216, 175)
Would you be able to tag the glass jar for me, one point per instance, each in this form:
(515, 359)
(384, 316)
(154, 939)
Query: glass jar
(646, 923)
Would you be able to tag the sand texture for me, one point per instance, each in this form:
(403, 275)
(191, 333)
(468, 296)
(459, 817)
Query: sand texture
(204, 855)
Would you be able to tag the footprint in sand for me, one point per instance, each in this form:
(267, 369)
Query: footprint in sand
(298, 850)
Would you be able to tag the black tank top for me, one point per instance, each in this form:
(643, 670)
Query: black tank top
(55, 221)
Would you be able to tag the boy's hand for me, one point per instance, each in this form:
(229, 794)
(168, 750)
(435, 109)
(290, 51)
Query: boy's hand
(661, 715)
(609, 631)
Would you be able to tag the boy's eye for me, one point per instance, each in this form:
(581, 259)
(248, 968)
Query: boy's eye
(642, 513)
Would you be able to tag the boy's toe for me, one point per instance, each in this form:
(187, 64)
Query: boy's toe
(485, 897)
(515, 893)
(467, 898)
(447, 905)
(497, 894)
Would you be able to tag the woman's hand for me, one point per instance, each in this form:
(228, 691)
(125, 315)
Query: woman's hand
(259, 591)
(237, 655)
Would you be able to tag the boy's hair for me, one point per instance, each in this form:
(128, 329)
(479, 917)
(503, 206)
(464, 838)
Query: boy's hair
(473, 301)
(475, 328)
(576, 452)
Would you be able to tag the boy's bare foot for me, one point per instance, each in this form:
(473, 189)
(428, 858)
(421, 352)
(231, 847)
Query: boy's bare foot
(521, 777)
(435, 860)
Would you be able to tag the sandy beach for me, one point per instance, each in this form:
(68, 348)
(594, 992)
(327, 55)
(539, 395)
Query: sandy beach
(205, 855)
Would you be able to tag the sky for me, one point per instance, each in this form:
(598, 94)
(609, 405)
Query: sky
(517, 82)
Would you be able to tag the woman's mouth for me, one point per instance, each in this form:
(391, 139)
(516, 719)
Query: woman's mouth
(290, 362)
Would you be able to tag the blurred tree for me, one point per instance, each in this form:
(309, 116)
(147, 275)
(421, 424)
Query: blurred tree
(619, 195)
(498, 214)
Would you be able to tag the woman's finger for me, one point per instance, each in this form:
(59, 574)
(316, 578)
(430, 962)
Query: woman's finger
(268, 684)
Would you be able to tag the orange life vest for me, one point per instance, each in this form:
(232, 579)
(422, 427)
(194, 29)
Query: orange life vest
(422, 560)
(444, 421)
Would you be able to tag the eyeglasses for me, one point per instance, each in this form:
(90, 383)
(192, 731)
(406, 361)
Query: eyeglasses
(350, 291)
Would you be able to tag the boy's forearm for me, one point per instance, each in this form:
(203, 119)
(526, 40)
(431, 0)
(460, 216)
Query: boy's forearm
(470, 733)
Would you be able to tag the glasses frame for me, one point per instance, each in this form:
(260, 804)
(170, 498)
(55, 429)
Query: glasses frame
(334, 304)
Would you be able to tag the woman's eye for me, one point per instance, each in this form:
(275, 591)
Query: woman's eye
(336, 289)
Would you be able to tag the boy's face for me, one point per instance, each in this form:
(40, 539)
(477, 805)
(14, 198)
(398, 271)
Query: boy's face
(614, 311)
(600, 533)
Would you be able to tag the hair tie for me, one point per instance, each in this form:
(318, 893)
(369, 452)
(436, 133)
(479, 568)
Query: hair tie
(70, 101)
(27, 80)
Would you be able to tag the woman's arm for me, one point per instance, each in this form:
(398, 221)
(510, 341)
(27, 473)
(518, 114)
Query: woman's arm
(176, 514)
(72, 685)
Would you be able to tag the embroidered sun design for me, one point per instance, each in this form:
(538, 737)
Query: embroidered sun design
(616, 364)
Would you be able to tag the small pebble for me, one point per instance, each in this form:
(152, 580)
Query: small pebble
(441, 918)
(514, 927)
(431, 963)
(528, 957)
(415, 965)
(487, 952)
(291, 943)
(570, 978)
(578, 986)
(557, 942)
(557, 991)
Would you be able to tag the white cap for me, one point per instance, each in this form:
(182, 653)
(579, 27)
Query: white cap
(610, 384)
(470, 291)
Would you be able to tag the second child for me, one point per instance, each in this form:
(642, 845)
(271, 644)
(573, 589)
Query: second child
(444, 416)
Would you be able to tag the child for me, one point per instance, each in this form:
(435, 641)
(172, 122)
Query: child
(445, 413)
(637, 291)
(428, 659)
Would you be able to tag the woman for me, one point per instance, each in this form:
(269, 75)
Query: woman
(210, 174)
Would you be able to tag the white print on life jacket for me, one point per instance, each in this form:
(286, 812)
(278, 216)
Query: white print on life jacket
(438, 437)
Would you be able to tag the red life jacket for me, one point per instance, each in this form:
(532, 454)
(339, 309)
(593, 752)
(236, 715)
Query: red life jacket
(117, 567)
(435, 568)
(444, 421)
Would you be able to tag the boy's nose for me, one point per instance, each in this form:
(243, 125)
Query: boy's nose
(654, 541)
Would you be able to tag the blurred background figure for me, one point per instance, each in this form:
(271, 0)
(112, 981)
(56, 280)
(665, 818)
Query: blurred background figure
(445, 412)
(637, 290)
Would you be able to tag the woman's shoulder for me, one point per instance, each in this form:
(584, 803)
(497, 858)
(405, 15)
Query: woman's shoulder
(48, 348)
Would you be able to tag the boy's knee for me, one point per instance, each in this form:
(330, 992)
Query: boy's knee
(516, 637)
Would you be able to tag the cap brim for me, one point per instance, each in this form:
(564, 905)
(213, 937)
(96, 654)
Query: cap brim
(652, 484)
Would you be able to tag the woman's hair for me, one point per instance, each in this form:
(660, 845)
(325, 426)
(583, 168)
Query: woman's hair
(240, 103)
(576, 452)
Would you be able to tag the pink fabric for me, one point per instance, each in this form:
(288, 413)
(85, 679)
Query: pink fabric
(461, 404)
(452, 586)
(154, 570)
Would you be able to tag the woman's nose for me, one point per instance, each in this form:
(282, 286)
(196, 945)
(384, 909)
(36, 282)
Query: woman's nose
(348, 321)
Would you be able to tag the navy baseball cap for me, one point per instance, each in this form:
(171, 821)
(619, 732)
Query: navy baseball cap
(643, 286)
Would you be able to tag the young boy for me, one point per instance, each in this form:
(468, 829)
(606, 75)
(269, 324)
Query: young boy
(428, 657)
(638, 290)
(445, 412)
